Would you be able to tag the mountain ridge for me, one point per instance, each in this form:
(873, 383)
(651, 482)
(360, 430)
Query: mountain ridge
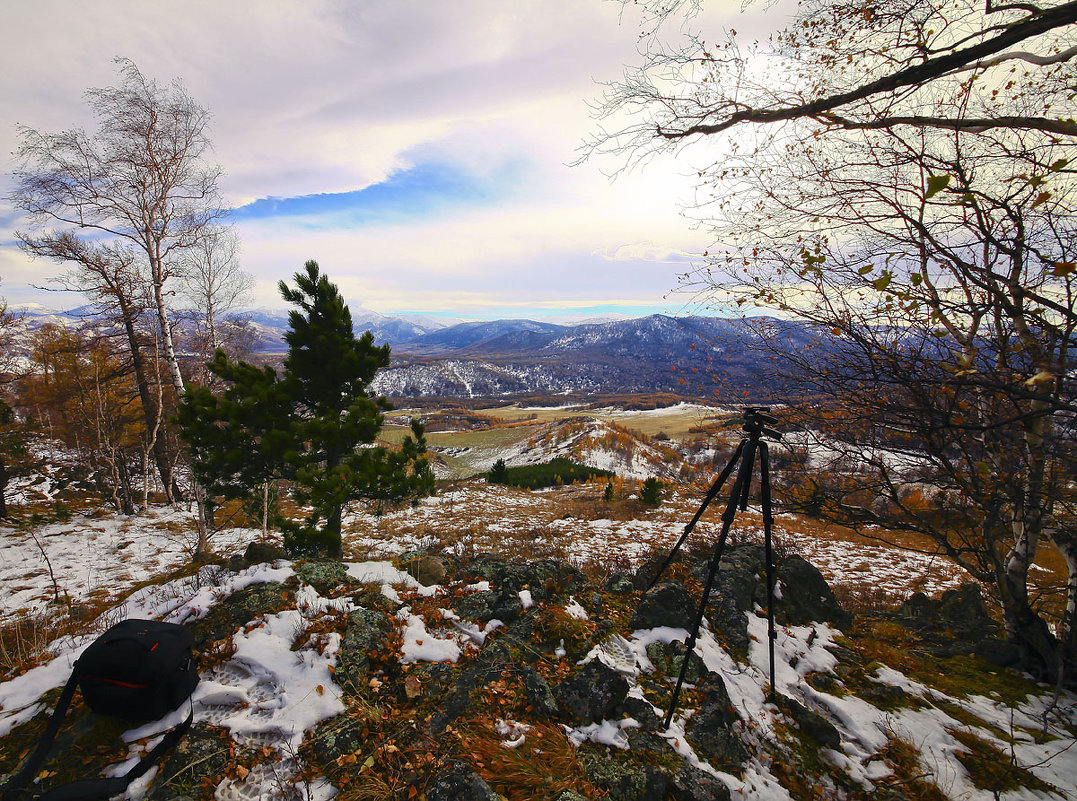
(692, 356)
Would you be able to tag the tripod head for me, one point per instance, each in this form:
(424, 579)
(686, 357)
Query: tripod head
(756, 421)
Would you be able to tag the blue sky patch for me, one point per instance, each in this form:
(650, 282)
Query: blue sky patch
(406, 194)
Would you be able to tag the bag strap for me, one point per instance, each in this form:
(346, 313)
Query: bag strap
(30, 769)
(89, 789)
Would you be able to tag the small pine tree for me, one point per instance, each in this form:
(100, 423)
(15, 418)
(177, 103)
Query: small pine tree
(314, 425)
(607, 496)
(499, 473)
(651, 492)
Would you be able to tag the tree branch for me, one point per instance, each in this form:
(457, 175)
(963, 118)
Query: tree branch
(916, 74)
(1065, 127)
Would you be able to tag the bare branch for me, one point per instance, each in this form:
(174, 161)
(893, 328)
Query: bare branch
(919, 74)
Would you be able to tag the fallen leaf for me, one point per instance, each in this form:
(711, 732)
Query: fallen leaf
(413, 688)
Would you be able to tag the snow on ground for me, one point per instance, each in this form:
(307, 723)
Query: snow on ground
(91, 555)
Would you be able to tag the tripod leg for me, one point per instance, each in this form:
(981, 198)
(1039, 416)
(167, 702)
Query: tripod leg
(727, 522)
(711, 493)
(768, 520)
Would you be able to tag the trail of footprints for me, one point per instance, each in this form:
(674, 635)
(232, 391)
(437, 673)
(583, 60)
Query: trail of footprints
(236, 689)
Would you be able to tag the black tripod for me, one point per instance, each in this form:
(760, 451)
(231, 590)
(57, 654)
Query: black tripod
(755, 425)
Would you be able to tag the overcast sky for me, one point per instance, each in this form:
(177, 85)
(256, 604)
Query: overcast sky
(418, 149)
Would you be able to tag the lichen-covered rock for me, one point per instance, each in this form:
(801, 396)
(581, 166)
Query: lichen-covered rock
(435, 678)
(539, 696)
(336, 737)
(640, 710)
(731, 599)
(619, 584)
(569, 795)
(669, 658)
(488, 666)
(322, 576)
(458, 781)
(500, 604)
(711, 728)
(194, 767)
(536, 576)
(625, 781)
(692, 784)
(666, 604)
(365, 633)
(591, 694)
(239, 609)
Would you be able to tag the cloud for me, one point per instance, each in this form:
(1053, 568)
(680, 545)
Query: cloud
(419, 150)
(649, 251)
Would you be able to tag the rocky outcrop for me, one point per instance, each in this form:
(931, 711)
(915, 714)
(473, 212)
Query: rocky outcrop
(554, 669)
(957, 623)
(666, 604)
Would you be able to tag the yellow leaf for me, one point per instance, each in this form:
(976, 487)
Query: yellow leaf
(1040, 377)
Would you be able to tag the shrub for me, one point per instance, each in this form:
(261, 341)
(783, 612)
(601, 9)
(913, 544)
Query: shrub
(552, 473)
(498, 473)
(651, 492)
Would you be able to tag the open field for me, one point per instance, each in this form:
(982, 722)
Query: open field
(675, 421)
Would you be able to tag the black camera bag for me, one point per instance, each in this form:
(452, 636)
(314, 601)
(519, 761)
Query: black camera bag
(138, 670)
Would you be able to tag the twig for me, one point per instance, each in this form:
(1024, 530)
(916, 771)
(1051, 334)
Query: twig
(48, 564)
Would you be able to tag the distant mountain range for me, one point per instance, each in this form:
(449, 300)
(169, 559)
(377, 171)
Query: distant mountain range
(687, 356)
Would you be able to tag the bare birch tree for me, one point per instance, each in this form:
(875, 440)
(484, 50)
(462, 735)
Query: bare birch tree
(140, 179)
(139, 183)
(215, 285)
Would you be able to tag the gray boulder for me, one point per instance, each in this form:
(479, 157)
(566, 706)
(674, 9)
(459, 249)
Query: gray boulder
(666, 604)
(591, 694)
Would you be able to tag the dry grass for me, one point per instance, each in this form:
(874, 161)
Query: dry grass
(24, 641)
(867, 597)
(540, 770)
